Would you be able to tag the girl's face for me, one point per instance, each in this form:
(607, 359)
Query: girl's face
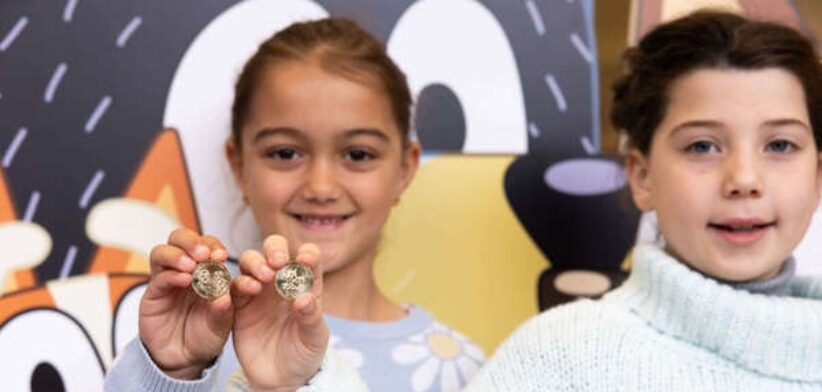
(321, 161)
(733, 173)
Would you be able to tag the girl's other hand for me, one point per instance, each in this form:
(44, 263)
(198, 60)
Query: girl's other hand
(183, 333)
(279, 343)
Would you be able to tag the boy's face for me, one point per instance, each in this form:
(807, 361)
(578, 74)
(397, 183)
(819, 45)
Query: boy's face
(733, 173)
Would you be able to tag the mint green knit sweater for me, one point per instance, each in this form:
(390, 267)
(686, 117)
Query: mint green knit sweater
(667, 328)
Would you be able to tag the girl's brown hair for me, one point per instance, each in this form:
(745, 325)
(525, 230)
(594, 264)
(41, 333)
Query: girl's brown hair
(337, 45)
(708, 39)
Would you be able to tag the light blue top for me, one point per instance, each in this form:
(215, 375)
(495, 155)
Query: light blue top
(415, 353)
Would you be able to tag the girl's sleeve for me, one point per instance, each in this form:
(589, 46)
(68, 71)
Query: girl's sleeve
(133, 370)
(334, 375)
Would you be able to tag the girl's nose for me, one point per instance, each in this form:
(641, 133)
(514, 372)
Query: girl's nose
(742, 176)
(322, 183)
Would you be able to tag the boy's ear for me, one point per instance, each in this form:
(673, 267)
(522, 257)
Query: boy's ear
(636, 165)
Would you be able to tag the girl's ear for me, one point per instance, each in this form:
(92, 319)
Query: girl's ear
(235, 160)
(819, 176)
(410, 163)
(637, 166)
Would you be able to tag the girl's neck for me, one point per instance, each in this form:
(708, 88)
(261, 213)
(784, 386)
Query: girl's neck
(352, 293)
(778, 285)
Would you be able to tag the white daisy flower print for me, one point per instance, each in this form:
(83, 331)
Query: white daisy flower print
(350, 356)
(441, 356)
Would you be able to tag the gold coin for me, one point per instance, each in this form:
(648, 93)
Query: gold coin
(293, 280)
(210, 279)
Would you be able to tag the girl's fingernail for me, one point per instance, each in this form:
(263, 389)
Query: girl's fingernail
(201, 251)
(187, 263)
(265, 272)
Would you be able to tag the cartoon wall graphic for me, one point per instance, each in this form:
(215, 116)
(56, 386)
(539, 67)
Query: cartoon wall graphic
(92, 179)
(572, 200)
(648, 13)
(112, 119)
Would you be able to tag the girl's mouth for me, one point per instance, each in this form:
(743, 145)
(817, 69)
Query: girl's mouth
(321, 223)
(741, 228)
(742, 232)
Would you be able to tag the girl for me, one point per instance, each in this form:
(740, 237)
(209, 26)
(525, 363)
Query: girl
(724, 120)
(320, 148)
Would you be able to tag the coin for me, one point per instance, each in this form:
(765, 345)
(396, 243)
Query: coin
(210, 279)
(293, 280)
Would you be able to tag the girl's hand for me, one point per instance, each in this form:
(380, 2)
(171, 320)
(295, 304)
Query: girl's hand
(279, 343)
(183, 333)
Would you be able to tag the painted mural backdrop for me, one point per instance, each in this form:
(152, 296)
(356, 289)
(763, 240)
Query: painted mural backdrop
(112, 118)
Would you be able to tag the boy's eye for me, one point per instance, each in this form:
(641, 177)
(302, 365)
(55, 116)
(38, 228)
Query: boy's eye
(701, 147)
(781, 146)
(285, 154)
(358, 155)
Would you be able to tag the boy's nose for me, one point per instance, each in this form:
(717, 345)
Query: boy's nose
(742, 176)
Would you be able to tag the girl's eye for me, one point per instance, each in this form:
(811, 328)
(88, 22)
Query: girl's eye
(285, 154)
(701, 147)
(780, 146)
(358, 155)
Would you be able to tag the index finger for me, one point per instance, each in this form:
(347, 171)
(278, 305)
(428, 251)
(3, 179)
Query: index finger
(190, 242)
(276, 251)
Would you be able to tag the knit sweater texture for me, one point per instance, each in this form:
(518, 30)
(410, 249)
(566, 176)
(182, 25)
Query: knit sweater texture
(667, 328)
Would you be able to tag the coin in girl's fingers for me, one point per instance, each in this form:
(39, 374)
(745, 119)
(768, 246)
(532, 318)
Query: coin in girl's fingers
(210, 280)
(293, 280)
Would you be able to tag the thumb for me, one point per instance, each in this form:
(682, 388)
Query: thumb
(221, 313)
(313, 330)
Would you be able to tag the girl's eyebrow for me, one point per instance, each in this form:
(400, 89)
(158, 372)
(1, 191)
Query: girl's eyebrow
(712, 124)
(372, 132)
(267, 132)
(781, 122)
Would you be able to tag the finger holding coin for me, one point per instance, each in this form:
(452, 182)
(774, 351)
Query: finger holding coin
(276, 251)
(197, 246)
(253, 264)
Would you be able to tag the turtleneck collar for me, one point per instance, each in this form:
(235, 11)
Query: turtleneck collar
(779, 285)
(772, 335)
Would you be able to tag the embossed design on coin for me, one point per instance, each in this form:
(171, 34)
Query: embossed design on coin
(293, 280)
(210, 279)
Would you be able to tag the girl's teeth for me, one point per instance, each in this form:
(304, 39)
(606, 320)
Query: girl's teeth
(320, 221)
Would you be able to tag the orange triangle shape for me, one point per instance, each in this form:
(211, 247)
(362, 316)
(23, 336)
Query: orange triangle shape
(162, 179)
(6, 206)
